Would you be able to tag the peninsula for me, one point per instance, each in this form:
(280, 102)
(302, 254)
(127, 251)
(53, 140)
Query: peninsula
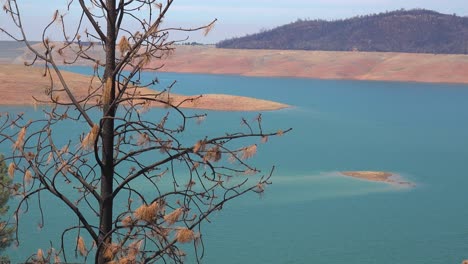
(342, 65)
(19, 84)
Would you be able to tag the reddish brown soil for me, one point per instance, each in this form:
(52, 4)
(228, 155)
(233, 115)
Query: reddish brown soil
(19, 84)
(319, 64)
(376, 66)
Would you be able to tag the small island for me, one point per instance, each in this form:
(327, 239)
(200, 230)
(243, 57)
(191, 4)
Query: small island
(377, 176)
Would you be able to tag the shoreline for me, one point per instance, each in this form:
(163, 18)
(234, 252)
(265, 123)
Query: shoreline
(310, 78)
(320, 65)
(16, 90)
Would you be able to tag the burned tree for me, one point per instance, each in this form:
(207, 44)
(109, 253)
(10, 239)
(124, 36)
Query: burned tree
(97, 174)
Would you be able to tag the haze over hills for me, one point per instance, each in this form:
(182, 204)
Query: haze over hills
(413, 31)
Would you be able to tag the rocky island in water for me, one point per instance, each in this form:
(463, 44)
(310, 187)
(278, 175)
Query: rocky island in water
(377, 176)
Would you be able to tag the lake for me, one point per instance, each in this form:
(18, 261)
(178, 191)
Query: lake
(311, 214)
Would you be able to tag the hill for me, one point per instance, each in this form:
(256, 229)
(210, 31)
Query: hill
(412, 31)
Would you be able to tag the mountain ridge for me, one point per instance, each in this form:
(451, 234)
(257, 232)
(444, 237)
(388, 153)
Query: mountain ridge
(409, 31)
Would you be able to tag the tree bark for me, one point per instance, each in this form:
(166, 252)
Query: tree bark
(107, 133)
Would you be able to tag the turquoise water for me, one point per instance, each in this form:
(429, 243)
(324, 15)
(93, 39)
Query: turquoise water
(311, 214)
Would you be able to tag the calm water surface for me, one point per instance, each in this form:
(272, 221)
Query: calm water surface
(311, 214)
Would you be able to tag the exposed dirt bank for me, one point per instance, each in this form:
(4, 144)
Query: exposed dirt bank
(375, 66)
(407, 67)
(19, 84)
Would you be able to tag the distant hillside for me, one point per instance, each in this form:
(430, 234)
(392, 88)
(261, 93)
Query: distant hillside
(9, 50)
(415, 31)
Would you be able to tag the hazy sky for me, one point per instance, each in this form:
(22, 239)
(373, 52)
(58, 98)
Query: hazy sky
(239, 17)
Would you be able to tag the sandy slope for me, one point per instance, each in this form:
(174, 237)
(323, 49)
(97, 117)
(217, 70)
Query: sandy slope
(321, 64)
(377, 66)
(18, 84)
(16, 88)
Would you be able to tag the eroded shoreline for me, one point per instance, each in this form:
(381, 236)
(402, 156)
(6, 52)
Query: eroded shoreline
(369, 66)
(332, 65)
(19, 84)
(328, 65)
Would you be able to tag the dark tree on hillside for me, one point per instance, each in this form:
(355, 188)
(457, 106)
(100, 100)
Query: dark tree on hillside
(96, 174)
(6, 231)
(418, 30)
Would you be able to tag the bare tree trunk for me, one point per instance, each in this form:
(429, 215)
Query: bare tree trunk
(147, 224)
(107, 134)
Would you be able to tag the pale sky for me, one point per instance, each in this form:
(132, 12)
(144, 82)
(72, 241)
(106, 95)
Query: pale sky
(240, 17)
